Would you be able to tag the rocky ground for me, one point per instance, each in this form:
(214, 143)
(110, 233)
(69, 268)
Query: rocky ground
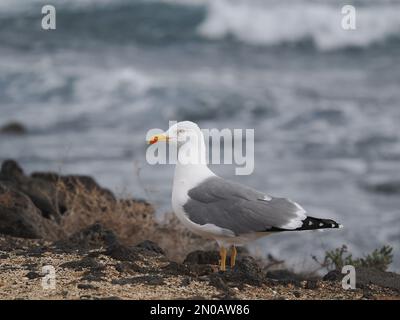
(101, 247)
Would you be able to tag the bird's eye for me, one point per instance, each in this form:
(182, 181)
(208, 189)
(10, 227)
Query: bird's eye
(181, 130)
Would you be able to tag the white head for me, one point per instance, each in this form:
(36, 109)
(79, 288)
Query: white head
(180, 133)
(188, 139)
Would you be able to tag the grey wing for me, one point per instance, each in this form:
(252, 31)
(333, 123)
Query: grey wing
(235, 207)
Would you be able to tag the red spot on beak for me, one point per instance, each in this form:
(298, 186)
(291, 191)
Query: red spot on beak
(154, 140)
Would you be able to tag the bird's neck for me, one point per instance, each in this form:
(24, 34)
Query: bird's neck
(191, 167)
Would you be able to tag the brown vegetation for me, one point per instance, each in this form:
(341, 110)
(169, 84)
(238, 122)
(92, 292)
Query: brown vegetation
(132, 221)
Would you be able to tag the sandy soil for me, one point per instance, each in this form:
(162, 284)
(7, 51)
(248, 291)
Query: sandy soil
(143, 272)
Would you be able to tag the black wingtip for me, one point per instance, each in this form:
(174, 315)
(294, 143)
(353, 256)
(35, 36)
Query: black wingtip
(311, 223)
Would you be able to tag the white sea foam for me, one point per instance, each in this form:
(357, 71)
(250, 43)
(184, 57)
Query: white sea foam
(267, 22)
(260, 24)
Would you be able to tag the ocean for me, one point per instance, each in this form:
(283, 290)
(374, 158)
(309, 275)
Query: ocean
(324, 102)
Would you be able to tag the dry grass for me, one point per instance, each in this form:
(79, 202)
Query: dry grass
(132, 221)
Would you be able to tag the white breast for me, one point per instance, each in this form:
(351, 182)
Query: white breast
(187, 177)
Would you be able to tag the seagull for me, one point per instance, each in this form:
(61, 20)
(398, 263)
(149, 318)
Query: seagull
(228, 212)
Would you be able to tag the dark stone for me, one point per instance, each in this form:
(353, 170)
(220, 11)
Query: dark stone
(45, 196)
(250, 270)
(311, 284)
(35, 251)
(202, 257)
(123, 267)
(219, 282)
(94, 270)
(32, 275)
(297, 294)
(368, 276)
(4, 255)
(30, 266)
(85, 286)
(49, 191)
(186, 281)
(367, 295)
(92, 237)
(174, 268)
(121, 252)
(130, 267)
(48, 194)
(334, 275)
(246, 271)
(284, 277)
(154, 280)
(93, 275)
(47, 176)
(201, 269)
(79, 265)
(15, 128)
(204, 263)
(150, 246)
(10, 169)
(20, 218)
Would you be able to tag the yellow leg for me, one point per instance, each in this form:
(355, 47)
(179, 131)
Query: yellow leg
(233, 256)
(222, 262)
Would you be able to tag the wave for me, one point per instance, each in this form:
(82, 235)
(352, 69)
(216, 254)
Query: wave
(251, 22)
(284, 24)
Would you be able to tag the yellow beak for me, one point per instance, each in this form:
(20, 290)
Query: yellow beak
(157, 138)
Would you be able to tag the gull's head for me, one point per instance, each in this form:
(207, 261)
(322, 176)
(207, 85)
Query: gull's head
(179, 134)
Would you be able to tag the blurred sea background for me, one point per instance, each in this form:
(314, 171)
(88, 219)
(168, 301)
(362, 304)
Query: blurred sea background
(324, 102)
